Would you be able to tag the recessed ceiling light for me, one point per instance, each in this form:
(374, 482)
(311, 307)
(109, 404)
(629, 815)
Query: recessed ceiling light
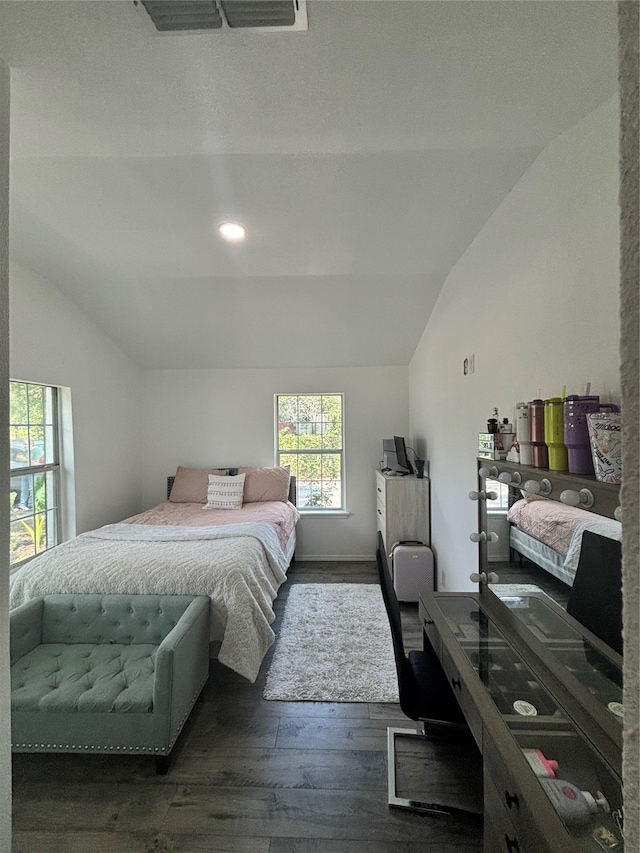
(232, 231)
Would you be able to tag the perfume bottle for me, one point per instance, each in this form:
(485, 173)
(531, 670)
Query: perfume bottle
(574, 806)
(493, 424)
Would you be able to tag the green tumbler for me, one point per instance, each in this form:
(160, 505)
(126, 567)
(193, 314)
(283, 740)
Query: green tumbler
(554, 434)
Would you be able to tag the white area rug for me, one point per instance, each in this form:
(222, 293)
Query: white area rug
(334, 646)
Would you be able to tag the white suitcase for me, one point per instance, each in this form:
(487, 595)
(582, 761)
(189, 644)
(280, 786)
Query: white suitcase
(412, 570)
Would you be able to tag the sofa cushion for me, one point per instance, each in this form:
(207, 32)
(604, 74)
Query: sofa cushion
(85, 677)
(95, 618)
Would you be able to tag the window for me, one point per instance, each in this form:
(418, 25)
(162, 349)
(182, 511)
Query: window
(309, 440)
(499, 504)
(34, 470)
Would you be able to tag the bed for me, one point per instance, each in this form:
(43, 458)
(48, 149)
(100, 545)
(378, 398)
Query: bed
(550, 534)
(190, 545)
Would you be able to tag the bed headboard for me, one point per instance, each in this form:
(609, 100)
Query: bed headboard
(292, 485)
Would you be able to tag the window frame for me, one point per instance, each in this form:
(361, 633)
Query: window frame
(341, 452)
(51, 469)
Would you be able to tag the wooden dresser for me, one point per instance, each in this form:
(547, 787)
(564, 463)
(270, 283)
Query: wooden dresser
(402, 508)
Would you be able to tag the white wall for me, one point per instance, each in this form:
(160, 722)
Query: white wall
(226, 417)
(535, 298)
(53, 342)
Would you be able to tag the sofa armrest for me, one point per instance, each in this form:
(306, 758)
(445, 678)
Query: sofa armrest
(26, 628)
(182, 660)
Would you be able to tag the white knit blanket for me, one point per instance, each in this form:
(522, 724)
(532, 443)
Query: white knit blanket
(239, 566)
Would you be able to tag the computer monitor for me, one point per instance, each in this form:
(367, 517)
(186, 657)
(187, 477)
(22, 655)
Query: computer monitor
(401, 454)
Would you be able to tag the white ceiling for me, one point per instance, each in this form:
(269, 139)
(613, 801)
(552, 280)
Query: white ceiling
(363, 156)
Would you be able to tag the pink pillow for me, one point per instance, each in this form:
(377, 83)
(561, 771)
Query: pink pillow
(529, 496)
(191, 484)
(265, 484)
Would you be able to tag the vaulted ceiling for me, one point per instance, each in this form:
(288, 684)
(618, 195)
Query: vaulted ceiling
(363, 155)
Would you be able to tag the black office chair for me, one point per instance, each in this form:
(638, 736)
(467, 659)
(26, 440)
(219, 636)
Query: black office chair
(595, 599)
(425, 696)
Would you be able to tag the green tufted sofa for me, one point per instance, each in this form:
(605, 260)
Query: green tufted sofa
(112, 674)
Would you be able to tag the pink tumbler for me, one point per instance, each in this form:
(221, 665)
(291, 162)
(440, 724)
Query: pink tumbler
(539, 451)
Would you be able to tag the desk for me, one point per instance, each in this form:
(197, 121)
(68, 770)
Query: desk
(529, 677)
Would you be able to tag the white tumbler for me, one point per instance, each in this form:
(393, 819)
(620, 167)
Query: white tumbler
(522, 433)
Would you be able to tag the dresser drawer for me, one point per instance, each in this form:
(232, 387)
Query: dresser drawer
(429, 629)
(513, 801)
(500, 833)
(492, 842)
(469, 707)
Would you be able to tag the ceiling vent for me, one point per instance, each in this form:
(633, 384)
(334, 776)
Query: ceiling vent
(240, 15)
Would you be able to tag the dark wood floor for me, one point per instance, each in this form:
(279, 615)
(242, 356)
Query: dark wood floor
(252, 776)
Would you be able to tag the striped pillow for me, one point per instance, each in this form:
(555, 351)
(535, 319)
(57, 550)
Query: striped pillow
(225, 492)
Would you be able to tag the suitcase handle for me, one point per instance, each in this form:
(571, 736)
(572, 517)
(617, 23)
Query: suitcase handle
(404, 542)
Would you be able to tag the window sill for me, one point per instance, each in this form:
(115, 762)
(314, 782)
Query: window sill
(324, 513)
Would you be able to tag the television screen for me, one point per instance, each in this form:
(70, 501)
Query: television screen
(401, 454)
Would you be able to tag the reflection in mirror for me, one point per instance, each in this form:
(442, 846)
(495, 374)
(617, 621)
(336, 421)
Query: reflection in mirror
(541, 542)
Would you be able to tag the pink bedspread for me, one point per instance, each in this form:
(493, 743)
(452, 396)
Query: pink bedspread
(282, 516)
(551, 522)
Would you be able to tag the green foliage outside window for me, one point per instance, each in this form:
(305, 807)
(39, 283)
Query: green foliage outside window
(27, 413)
(310, 443)
(33, 483)
(36, 525)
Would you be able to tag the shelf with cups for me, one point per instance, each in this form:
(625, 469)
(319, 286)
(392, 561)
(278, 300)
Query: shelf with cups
(576, 434)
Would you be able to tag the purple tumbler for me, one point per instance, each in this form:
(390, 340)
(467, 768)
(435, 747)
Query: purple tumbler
(576, 431)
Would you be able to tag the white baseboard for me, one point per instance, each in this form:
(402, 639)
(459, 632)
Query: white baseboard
(336, 558)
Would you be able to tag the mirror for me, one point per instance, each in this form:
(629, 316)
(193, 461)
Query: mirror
(541, 529)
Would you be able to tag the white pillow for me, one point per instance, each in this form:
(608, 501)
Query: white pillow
(225, 492)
